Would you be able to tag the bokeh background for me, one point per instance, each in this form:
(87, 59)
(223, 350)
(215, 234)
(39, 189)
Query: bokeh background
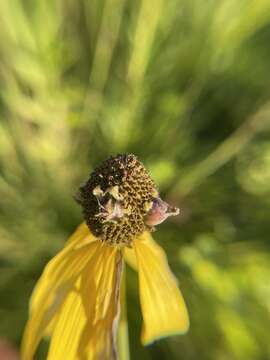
(184, 85)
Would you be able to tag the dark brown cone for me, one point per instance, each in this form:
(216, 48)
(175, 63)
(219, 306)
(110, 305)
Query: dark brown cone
(116, 199)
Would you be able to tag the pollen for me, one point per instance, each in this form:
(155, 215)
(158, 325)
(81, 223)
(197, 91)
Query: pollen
(119, 200)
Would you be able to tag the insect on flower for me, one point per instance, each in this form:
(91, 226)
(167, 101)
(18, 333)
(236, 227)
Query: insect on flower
(76, 301)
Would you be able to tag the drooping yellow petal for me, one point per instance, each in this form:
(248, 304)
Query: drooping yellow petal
(56, 281)
(163, 307)
(86, 325)
(82, 236)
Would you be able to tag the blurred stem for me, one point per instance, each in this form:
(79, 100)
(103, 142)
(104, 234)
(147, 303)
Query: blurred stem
(123, 337)
(224, 152)
(147, 23)
(106, 42)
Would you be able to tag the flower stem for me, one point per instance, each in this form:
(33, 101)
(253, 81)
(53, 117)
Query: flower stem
(123, 337)
(226, 151)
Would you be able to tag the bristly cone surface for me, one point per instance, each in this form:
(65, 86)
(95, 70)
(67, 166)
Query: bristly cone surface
(120, 201)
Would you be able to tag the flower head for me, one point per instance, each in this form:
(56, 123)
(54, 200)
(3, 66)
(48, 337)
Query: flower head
(76, 300)
(117, 199)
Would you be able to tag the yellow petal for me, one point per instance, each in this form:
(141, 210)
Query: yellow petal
(79, 238)
(87, 323)
(56, 281)
(163, 307)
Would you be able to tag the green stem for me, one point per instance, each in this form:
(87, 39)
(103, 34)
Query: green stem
(123, 337)
(224, 152)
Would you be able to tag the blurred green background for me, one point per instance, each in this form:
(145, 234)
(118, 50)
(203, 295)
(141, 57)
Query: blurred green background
(184, 85)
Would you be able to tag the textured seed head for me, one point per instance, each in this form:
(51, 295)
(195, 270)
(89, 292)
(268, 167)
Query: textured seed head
(120, 201)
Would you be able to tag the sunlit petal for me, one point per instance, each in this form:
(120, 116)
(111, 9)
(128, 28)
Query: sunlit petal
(79, 238)
(56, 281)
(163, 308)
(87, 322)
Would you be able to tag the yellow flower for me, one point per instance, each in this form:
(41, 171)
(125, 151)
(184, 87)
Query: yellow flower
(76, 300)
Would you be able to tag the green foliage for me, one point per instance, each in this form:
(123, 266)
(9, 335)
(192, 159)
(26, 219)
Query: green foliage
(185, 86)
